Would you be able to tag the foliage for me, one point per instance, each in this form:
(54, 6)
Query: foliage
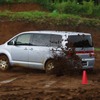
(25, 1)
(6, 1)
(97, 49)
(86, 8)
(73, 7)
(67, 7)
(96, 11)
(50, 18)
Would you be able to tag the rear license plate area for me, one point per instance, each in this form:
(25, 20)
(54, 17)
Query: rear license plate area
(84, 63)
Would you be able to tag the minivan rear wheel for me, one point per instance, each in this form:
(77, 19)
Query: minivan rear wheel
(4, 63)
(49, 66)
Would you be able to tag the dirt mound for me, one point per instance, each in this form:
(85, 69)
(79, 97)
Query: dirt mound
(22, 7)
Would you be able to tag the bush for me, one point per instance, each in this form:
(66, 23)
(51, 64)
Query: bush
(68, 7)
(6, 1)
(2, 1)
(96, 11)
(87, 8)
(26, 1)
(50, 18)
(73, 7)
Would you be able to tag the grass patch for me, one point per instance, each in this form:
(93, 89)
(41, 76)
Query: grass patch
(87, 8)
(53, 18)
(97, 49)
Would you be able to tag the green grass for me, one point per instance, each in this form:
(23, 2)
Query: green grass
(97, 49)
(53, 18)
(86, 8)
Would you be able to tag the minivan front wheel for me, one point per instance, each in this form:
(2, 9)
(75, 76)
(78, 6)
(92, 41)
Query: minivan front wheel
(49, 66)
(4, 63)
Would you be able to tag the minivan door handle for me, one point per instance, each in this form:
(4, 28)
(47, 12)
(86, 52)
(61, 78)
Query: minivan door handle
(25, 48)
(31, 49)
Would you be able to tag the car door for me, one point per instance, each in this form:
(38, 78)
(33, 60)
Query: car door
(20, 49)
(40, 49)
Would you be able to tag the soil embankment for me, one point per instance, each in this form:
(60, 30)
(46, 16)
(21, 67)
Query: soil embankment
(11, 28)
(19, 7)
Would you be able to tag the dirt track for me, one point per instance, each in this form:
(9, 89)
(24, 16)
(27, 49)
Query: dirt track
(29, 84)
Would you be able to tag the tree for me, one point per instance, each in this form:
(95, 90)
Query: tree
(97, 1)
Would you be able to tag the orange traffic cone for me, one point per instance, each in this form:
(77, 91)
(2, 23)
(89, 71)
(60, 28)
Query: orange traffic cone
(84, 78)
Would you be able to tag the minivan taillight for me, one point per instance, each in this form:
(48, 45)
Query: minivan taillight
(91, 54)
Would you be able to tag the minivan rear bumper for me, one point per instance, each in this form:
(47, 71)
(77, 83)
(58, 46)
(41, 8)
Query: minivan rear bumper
(88, 63)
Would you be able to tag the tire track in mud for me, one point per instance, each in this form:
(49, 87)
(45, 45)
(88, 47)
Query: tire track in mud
(31, 85)
(51, 94)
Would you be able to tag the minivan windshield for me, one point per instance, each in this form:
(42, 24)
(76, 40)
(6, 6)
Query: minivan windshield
(80, 40)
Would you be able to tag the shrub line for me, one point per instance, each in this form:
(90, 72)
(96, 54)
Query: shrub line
(50, 18)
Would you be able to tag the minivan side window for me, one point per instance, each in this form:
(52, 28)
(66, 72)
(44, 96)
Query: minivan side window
(41, 40)
(23, 39)
(55, 40)
(11, 42)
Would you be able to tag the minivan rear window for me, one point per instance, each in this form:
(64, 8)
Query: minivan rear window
(81, 40)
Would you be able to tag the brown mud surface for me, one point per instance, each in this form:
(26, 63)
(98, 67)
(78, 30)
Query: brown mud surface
(21, 7)
(31, 84)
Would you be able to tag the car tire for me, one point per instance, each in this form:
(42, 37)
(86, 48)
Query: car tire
(4, 63)
(49, 67)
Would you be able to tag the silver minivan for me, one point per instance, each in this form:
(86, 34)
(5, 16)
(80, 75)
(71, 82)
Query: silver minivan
(34, 49)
